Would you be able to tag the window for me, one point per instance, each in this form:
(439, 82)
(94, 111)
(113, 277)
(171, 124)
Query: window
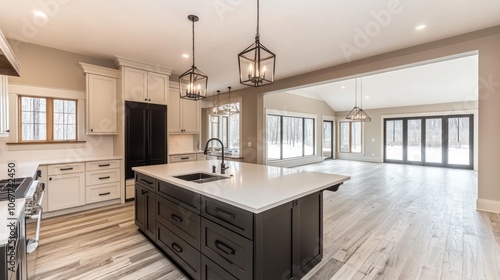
(432, 140)
(47, 119)
(227, 129)
(350, 137)
(289, 137)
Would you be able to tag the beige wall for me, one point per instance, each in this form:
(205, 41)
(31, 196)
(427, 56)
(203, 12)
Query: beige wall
(373, 131)
(485, 42)
(48, 67)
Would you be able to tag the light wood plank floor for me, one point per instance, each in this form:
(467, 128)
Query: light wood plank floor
(389, 222)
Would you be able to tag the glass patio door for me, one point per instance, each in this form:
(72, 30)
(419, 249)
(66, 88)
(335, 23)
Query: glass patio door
(459, 149)
(327, 150)
(434, 140)
(394, 140)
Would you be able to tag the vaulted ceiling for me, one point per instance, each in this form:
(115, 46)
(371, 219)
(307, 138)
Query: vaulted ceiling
(305, 35)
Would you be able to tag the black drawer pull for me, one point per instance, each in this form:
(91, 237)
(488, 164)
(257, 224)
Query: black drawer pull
(177, 248)
(104, 178)
(184, 157)
(146, 181)
(225, 214)
(176, 218)
(104, 165)
(103, 194)
(66, 169)
(224, 248)
(144, 192)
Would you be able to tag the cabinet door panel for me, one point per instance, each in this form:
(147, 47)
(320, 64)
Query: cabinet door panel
(157, 88)
(212, 271)
(157, 142)
(174, 110)
(101, 105)
(309, 248)
(135, 136)
(190, 115)
(66, 191)
(140, 207)
(150, 226)
(135, 84)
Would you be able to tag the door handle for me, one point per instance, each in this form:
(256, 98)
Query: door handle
(176, 218)
(105, 177)
(224, 248)
(176, 247)
(223, 213)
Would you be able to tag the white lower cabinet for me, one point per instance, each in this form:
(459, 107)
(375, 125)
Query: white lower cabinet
(77, 184)
(66, 191)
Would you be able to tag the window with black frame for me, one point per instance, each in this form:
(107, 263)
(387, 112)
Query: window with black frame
(445, 141)
(289, 137)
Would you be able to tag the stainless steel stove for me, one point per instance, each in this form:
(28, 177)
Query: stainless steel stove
(32, 191)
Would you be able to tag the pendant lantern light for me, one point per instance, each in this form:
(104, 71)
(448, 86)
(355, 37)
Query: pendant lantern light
(232, 106)
(193, 83)
(257, 63)
(357, 113)
(218, 109)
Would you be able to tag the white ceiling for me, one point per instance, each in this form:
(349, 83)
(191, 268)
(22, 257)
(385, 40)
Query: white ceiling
(305, 35)
(454, 80)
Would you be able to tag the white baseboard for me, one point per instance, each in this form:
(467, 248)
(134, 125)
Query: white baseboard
(488, 205)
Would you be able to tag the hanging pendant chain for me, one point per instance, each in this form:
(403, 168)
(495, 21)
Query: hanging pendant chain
(193, 44)
(258, 35)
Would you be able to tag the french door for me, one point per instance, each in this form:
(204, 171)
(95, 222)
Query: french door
(436, 141)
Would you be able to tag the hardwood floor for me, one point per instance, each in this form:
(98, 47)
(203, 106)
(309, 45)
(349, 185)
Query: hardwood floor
(388, 222)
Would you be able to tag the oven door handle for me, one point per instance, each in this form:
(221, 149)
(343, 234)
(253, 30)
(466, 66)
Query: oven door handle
(32, 244)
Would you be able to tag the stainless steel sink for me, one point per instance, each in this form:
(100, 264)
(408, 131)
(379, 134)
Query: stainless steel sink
(200, 177)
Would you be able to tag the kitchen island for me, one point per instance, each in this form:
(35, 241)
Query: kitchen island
(254, 222)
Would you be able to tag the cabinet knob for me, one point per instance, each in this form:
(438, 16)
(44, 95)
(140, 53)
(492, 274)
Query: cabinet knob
(149, 99)
(91, 129)
(50, 179)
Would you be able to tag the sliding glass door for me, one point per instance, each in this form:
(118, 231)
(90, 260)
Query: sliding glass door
(438, 141)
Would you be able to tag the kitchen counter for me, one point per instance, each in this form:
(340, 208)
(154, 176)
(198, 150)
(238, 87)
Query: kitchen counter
(4, 218)
(252, 187)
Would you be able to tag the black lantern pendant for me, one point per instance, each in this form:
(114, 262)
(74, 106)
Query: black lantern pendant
(257, 63)
(357, 113)
(193, 83)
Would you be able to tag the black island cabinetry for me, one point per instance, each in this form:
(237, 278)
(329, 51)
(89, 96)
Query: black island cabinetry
(213, 240)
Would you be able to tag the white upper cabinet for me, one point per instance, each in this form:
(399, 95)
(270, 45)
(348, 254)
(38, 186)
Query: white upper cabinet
(100, 99)
(184, 116)
(144, 82)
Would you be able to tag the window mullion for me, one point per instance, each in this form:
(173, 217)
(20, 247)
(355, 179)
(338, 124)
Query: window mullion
(50, 119)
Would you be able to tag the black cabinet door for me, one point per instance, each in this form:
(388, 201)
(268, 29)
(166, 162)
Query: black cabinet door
(136, 129)
(140, 207)
(150, 209)
(157, 136)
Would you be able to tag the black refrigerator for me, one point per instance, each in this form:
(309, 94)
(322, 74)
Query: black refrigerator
(145, 135)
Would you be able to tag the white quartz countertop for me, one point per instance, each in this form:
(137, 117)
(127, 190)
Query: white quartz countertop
(6, 218)
(255, 188)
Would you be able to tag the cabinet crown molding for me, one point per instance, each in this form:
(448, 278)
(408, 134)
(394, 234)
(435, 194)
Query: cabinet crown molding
(99, 70)
(127, 62)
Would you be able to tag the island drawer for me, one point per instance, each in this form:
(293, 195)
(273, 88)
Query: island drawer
(100, 165)
(212, 271)
(179, 195)
(228, 249)
(145, 181)
(233, 218)
(185, 255)
(180, 220)
(102, 176)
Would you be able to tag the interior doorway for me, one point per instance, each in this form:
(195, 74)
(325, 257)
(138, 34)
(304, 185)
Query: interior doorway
(327, 143)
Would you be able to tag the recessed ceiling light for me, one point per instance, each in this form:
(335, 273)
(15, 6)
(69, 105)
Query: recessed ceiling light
(40, 14)
(185, 55)
(368, 97)
(343, 86)
(420, 27)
